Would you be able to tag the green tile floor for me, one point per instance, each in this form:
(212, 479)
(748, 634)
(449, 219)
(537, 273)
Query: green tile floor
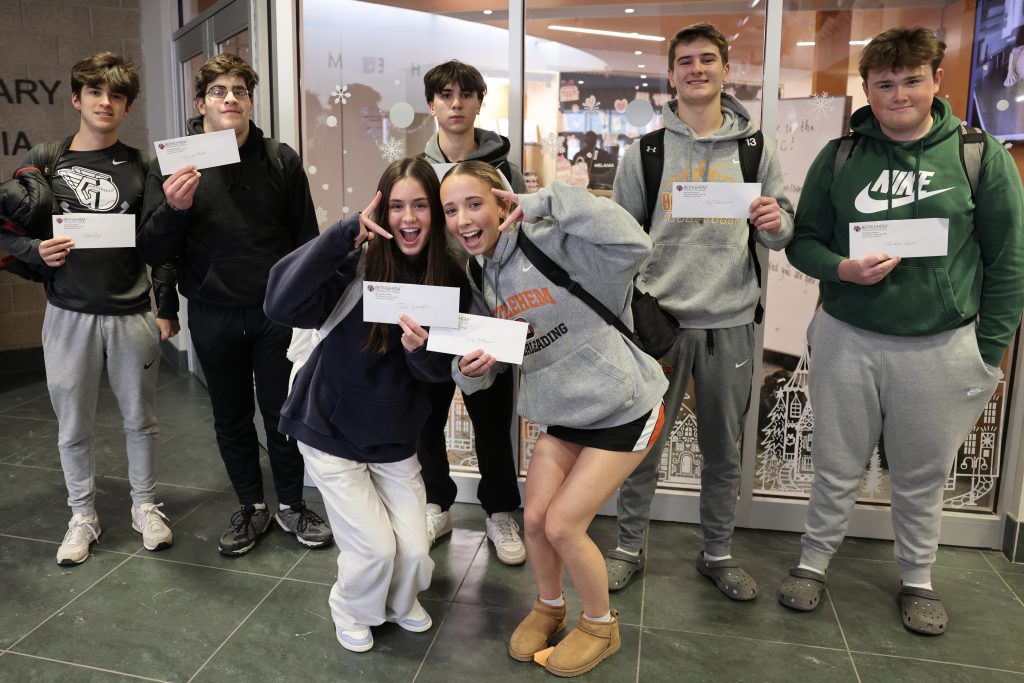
(187, 613)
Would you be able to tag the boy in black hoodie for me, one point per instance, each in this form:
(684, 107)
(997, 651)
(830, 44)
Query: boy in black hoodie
(226, 227)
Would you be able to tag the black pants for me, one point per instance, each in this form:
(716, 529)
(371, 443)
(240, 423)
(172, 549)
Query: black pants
(233, 345)
(491, 412)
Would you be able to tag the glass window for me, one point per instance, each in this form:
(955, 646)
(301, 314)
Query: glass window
(189, 68)
(237, 44)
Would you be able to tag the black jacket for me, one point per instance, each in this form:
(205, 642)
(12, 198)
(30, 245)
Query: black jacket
(244, 218)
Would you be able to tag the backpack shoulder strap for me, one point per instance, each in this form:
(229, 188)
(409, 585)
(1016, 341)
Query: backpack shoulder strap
(50, 154)
(652, 159)
(557, 275)
(972, 150)
(476, 273)
(750, 150)
(846, 144)
(273, 148)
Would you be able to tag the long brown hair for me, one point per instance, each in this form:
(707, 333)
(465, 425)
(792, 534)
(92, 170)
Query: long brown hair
(384, 260)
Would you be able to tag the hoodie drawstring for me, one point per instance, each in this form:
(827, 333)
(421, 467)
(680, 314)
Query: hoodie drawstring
(710, 342)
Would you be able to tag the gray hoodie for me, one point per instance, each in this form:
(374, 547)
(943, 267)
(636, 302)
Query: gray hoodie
(578, 370)
(491, 148)
(700, 270)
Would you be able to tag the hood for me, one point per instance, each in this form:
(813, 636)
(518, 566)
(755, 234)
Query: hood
(737, 124)
(491, 147)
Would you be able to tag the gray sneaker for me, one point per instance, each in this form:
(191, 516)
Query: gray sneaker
(247, 525)
(309, 528)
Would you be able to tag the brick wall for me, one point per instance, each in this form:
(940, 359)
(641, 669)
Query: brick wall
(39, 41)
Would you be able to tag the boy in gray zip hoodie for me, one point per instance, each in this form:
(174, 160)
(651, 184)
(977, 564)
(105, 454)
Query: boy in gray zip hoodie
(702, 273)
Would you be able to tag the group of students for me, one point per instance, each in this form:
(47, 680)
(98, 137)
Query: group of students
(366, 407)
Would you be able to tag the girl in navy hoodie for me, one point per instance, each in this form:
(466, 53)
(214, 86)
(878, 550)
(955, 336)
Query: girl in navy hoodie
(358, 404)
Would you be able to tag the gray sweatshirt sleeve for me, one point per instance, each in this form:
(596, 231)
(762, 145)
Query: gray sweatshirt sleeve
(622, 244)
(628, 188)
(773, 185)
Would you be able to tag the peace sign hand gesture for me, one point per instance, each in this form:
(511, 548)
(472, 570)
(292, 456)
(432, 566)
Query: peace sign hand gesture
(367, 227)
(511, 198)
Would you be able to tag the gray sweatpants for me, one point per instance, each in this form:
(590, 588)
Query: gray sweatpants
(721, 380)
(74, 347)
(923, 394)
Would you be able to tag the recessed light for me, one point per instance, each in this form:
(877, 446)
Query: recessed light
(636, 87)
(600, 32)
(488, 11)
(629, 10)
(638, 52)
(644, 84)
(641, 66)
(805, 43)
(643, 75)
(860, 42)
(579, 82)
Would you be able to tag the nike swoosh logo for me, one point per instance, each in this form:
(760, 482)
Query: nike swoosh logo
(975, 391)
(148, 365)
(528, 268)
(865, 203)
(118, 163)
(740, 365)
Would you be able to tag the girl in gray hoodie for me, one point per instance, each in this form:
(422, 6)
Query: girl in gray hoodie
(596, 396)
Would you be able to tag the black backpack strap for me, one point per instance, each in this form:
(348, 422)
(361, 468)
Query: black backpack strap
(843, 151)
(557, 275)
(476, 273)
(50, 153)
(273, 148)
(750, 160)
(972, 150)
(652, 159)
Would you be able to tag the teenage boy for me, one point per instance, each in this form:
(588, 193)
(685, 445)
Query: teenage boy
(703, 273)
(226, 227)
(455, 92)
(98, 306)
(904, 349)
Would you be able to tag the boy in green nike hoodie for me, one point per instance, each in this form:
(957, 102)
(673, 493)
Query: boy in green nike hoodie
(906, 349)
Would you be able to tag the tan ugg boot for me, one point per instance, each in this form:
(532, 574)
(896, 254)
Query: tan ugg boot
(535, 631)
(586, 646)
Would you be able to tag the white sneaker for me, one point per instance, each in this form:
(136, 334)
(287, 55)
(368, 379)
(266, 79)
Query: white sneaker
(503, 532)
(417, 620)
(356, 639)
(152, 524)
(439, 522)
(82, 532)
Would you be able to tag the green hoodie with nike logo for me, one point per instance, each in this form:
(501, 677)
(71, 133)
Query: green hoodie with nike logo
(982, 272)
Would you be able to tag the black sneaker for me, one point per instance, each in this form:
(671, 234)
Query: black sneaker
(247, 525)
(309, 528)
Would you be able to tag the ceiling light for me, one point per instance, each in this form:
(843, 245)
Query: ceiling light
(579, 82)
(805, 43)
(645, 85)
(638, 52)
(860, 42)
(488, 11)
(599, 32)
(629, 10)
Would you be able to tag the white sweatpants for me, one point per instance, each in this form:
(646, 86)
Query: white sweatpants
(378, 514)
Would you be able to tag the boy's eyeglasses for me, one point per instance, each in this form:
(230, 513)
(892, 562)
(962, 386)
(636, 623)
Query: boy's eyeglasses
(219, 92)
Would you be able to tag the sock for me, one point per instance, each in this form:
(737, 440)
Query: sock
(599, 620)
(716, 558)
(810, 568)
(282, 506)
(260, 506)
(557, 602)
(634, 553)
(926, 586)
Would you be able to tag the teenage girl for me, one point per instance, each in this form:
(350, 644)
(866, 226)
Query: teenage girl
(357, 404)
(597, 395)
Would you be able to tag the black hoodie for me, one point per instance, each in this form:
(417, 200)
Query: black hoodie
(244, 218)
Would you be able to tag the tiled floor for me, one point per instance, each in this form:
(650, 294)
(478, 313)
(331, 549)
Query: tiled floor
(187, 613)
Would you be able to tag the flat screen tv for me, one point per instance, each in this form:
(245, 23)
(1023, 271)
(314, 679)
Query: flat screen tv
(996, 101)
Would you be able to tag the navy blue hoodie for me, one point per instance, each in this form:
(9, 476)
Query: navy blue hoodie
(360, 405)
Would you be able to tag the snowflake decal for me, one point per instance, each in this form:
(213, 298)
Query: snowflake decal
(1004, 142)
(822, 105)
(391, 149)
(552, 145)
(591, 105)
(341, 94)
(321, 215)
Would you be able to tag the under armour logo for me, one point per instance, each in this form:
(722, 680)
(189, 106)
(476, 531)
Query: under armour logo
(651, 150)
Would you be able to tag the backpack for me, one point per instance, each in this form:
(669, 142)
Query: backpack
(652, 159)
(304, 341)
(972, 151)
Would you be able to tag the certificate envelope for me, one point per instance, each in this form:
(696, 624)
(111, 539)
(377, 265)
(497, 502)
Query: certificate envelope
(202, 151)
(96, 230)
(907, 237)
(429, 306)
(441, 169)
(713, 200)
(503, 339)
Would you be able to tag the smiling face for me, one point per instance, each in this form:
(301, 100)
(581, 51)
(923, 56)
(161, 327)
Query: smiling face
(901, 100)
(409, 216)
(228, 112)
(472, 213)
(102, 110)
(456, 108)
(697, 72)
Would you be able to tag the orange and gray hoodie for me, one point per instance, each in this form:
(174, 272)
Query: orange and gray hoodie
(578, 371)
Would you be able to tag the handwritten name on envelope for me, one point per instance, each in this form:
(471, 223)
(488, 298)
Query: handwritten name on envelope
(503, 339)
(202, 151)
(905, 238)
(713, 200)
(96, 230)
(429, 306)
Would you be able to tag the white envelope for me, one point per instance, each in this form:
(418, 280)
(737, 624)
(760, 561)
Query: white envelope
(429, 306)
(96, 230)
(905, 238)
(713, 200)
(503, 339)
(205, 150)
(441, 169)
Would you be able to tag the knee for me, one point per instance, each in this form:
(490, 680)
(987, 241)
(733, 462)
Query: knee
(534, 521)
(558, 531)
